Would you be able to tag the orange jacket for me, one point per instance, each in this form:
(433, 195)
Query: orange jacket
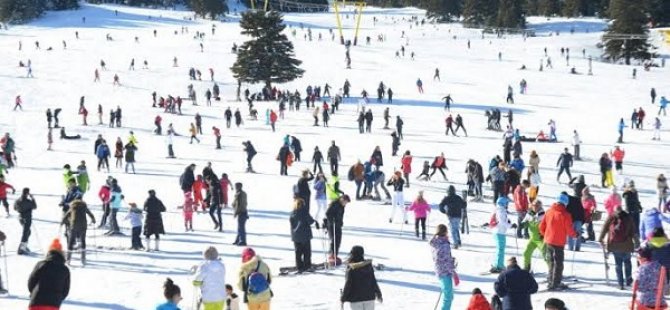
(618, 155)
(478, 302)
(556, 225)
(520, 199)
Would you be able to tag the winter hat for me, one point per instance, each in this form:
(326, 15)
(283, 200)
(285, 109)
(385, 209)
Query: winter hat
(356, 254)
(211, 253)
(644, 252)
(451, 190)
(56, 246)
(26, 191)
(563, 199)
(502, 201)
(248, 254)
(555, 303)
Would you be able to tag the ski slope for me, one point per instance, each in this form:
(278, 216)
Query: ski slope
(474, 77)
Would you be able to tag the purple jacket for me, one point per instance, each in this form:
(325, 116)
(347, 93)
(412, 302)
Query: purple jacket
(652, 218)
(444, 262)
(647, 279)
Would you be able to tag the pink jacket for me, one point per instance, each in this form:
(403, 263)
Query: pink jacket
(420, 209)
(612, 202)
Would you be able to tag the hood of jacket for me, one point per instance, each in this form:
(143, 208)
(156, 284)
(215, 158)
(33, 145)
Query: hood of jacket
(359, 265)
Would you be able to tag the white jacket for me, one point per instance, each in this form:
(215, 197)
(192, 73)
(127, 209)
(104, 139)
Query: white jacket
(535, 179)
(501, 217)
(211, 277)
(576, 140)
(233, 303)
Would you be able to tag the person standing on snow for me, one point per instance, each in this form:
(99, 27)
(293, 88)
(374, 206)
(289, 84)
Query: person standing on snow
(663, 104)
(453, 205)
(25, 206)
(622, 126)
(576, 143)
(622, 239)
(606, 179)
(618, 154)
(447, 102)
(406, 166)
(515, 286)
(499, 225)
(398, 201)
(459, 125)
(333, 157)
(360, 286)
(555, 227)
(251, 152)
(657, 130)
(49, 282)
(210, 278)
(76, 218)
(444, 265)
(317, 158)
(102, 152)
(564, 162)
(419, 86)
(153, 223)
(240, 206)
(632, 203)
(187, 179)
(301, 234)
(532, 223)
(521, 206)
(3, 193)
(648, 274)
(421, 208)
(254, 279)
(398, 126)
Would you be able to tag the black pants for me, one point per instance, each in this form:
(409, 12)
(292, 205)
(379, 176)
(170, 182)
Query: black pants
(335, 235)
(358, 189)
(105, 214)
(303, 255)
(283, 168)
(218, 142)
(136, 242)
(317, 164)
(435, 169)
(449, 128)
(458, 126)
(170, 151)
(422, 221)
(555, 257)
(297, 155)
(567, 171)
(333, 166)
(497, 190)
(217, 220)
(26, 222)
(399, 131)
(72, 239)
(577, 152)
(113, 223)
(103, 163)
(241, 238)
(603, 178)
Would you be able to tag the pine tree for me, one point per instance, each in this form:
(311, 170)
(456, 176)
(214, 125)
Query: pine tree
(213, 8)
(628, 35)
(20, 11)
(573, 8)
(268, 57)
(530, 7)
(443, 10)
(480, 13)
(660, 12)
(64, 4)
(549, 7)
(510, 14)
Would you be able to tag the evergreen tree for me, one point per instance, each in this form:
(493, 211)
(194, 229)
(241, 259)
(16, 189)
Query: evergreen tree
(213, 8)
(530, 7)
(627, 36)
(573, 8)
(443, 10)
(20, 11)
(480, 13)
(549, 7)
(268, 57)
(660, 12)
(64, 4)
(510, 14)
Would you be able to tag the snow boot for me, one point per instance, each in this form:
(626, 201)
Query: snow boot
(23, 249)
(156, 249)
(68, 257)
(83, 258)
(148, 249)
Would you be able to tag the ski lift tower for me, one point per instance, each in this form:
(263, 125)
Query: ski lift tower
(358, 10)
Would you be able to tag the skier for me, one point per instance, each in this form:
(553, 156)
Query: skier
(421, 208)
(168, 140)
(515, 286)
(510, 94)
(436, 76)
(406, 166)
(622, 126)
(118, 152)
(334, 157)
(357, 174)
(228, 115)
(555, 227)
(552, 131)
(213, 200)
(531, 222)
(395, 143)
(576, 142)
(198, 123)
(499, 225)
(444, 265)
(285, 158)
(657, 130)
(130, 156)
(217, 135)
(521, 206)
(240, 212)
(82, 178)
(18, 102)
(447, 102)
(25, 205)
(153, 223)
(621, 240)
(317, 158)
(453, 206)
(238, 118)
(497, 178)
(76, 218)
(576, 211)
(361, 122)
(194, 131)
(613, 201)
(398, 126)
(251, 152)
(102, 152)
(210, 278)
(301, 234)
(387, 117)
(389, 93)
(618, 154)
(368, 121)
(419, 85)
(564, 162)
(49, 283)
(333, 224)
(459, 125)
(653, 95)
(135, 217)
(449, 123)
(398, 202)
(360, 286)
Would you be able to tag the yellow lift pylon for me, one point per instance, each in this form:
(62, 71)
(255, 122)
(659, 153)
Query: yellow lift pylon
(359, 5)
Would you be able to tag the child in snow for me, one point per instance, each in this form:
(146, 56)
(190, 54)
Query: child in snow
(478, 301)
(612, 202)
(499, 226)
(647, 281)
(232, 300)
(197, 192)
(172, 295)
(188, 211)
(589, 203)
(421, 208)
(424, 171)
(135, 217)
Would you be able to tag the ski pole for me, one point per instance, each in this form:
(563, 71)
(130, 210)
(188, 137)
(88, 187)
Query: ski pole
(4, 257)
(95, 243)
(437, 303)
(37, 235)
(516, 243)
(572, 268)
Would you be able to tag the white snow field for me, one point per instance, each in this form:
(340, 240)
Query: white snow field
(474, 77)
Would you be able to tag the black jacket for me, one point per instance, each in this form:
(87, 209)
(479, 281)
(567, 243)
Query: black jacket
(153, 207)
(454, 205)
(25, 206)
(295, 144)
(186, 180)
(300, 220)
(283, 154)
(49, 283)
(397, 185)
(334, 153)
(515, 286)
(360, 283)
(632, 201)
(318, 157)
(335, 214)
(565, 160)
(303, 187)
(605, 164)
(576, 209)
(76, 215)
(377, 156)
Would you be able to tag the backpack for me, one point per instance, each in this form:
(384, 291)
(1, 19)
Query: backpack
(617, 230)
(350, 175)
(257, 282)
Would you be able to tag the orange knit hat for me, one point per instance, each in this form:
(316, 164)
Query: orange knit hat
(56, 246)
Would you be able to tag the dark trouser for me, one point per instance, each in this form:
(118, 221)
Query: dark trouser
(521, 232)
(194, 137)
(497, 190)
(618, 165)
(136, 242)
(386, 123)
(218, 142)
(170, 151)
(105, 214)
(283, 169)
(620, 140)
(272, 124)
(555, 256)
(449, 128)
(103, 163)
(317, 164)
(216, 208)
(358, 189)
(368, 127)
(26, 222)
(249, 158)
(335, 235)
(241, 237)
(461, 126)
(303, 255)
(567, 171)
(577, 152)
(435, 169)
(333, 166)
(306, 198)
(113, 224)
(422, 221)
(360, 127)
(622, 264)
(72, 239)
(159, 129)
(636, 221)
(399, 130)
(591, 234)
(297, 155)
(478, 189)
(603, 178)
(316, 123)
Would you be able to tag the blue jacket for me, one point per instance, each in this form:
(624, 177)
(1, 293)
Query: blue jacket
(320, 189)
(167, 306)
(515, 286)
(652, 219)
(102, 151)
(116, 198)
(622, 125)
(518, 164)
(664, 102)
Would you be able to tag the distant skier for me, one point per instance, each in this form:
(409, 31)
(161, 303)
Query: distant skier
(447, 102)
(436, 76)
(419, 85)
(510, 94)
(564, 163)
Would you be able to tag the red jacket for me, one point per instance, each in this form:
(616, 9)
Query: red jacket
(273, 117)
(224, 190)
(217, 131)
(3, 189)
(618, 155)
(520, 199)
(406, 164)
(556, 225)
(104, 193)
(478, 302)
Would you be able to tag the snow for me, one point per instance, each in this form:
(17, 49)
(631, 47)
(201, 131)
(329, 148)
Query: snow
(474, 77)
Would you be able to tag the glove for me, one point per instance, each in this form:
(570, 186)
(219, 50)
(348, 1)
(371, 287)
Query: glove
(457, 280)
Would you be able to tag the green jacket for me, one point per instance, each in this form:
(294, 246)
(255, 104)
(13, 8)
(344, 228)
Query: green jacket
(240, 203)
(67, 175)
(532, 222)
(333, 188)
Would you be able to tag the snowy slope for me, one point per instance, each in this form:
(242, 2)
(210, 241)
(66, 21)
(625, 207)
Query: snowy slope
(474, 77)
